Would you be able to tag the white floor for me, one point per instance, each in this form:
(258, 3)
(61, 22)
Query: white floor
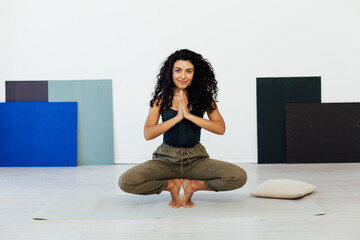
(23, 192)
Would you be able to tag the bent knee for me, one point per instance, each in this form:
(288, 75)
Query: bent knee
(239, 178)
(126, 183)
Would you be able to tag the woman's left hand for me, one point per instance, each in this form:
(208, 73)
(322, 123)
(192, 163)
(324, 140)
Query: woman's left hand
(183, 104)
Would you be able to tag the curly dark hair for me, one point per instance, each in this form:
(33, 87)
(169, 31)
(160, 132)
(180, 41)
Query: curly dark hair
(202, 92)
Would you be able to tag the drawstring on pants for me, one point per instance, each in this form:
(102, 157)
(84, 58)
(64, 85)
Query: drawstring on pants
(182, 160)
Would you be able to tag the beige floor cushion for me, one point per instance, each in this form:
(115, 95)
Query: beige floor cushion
(283, 188)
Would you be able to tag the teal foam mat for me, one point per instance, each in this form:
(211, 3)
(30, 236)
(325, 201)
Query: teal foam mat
(95, 117)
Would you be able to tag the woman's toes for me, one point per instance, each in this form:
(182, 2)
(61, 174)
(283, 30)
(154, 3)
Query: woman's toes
(188, 204)
(175, 204)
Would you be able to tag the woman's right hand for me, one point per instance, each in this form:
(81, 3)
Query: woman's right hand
(180, 114)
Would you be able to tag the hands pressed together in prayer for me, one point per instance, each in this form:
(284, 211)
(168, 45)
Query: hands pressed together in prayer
(183, 110)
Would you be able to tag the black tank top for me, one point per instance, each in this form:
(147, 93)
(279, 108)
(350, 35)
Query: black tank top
(185, 133)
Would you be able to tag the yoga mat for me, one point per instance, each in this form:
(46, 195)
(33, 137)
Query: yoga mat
(95, 117)
(272, 95)
(323, 132)
(38, 134)
(26, 91)
(214, 205)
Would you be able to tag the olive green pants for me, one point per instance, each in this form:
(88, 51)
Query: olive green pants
(186, 163)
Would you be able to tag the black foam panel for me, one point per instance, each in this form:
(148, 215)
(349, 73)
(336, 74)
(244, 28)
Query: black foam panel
(272, 95)
(323, 132)
(26, 91)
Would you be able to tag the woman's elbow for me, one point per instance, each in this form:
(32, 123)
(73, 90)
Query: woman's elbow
(222, 127)
(222, 131)
(147, 135)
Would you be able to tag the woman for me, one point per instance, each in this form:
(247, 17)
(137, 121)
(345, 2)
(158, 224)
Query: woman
(185, 90)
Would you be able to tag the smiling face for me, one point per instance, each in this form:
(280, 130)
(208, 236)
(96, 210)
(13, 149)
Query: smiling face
(183, 73)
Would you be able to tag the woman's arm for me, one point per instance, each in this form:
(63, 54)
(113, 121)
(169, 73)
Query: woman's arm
(153, 129)
(215, 124)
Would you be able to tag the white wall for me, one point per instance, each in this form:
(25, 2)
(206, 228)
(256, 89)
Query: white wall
(127, 40)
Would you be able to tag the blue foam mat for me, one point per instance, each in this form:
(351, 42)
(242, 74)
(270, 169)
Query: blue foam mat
(38, 134)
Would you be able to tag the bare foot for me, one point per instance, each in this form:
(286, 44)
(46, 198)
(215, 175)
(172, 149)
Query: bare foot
(174, 186)
(191, 186)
